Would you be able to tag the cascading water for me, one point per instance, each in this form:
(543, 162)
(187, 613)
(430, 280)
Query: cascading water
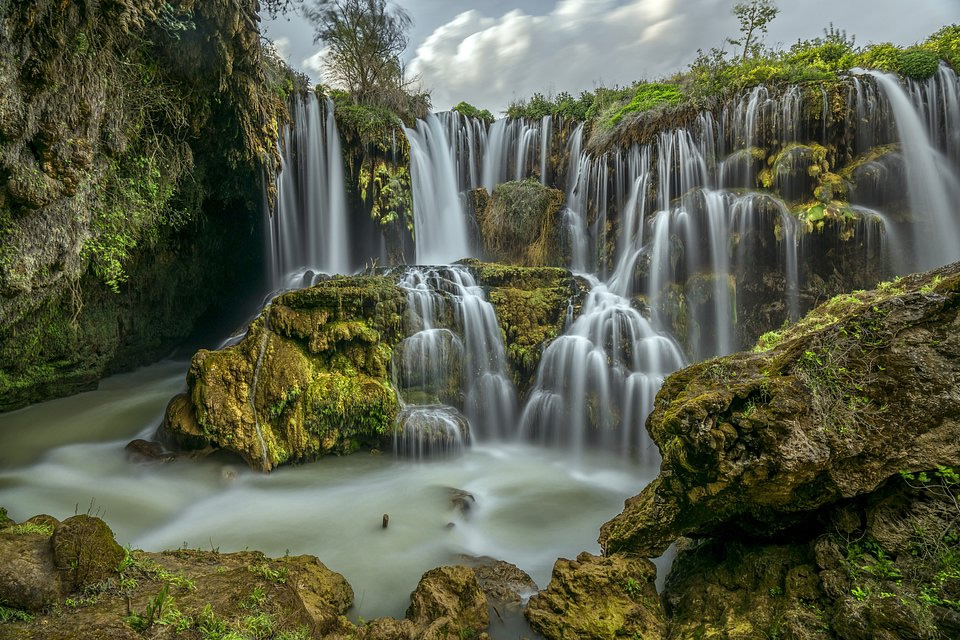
(308, 231)
(932, 182)
(454, 355)
(439, 219)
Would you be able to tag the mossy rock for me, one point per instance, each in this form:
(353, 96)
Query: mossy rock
(85, 551)
(521, 224)
(597, 597)
(449, 600)
(840, 403)
(310, 378)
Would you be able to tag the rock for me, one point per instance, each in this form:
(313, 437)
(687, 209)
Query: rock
(85, 551)
(309, 378)
(501, 581)
(45, 521)
(28, 578)
(390, 629)
(431, 430)
(145, 451)
(325, 594)
(461, 500)
(730, 590)
(862, 388)
(521, 224)
(597, 597)
(448, 600)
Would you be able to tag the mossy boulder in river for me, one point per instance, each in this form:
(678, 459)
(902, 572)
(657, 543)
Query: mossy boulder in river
(310, 377)
(861, 389)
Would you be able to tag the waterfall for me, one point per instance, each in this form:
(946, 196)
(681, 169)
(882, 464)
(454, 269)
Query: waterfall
(308, 230)
(454, 355)
(440, 224)
(603, 373)
(932, 183)
(546, 131)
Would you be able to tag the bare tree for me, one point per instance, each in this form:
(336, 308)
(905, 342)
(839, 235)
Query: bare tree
(364, 39)
(754, 17)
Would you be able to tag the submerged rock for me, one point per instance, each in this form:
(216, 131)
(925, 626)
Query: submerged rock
(597, 597)
(864, 387)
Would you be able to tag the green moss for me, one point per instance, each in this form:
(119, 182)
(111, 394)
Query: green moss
(648, 96)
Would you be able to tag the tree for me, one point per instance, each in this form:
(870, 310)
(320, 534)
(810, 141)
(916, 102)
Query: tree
(754, 17)
(364, 40)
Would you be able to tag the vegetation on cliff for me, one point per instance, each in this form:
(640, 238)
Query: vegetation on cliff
(106, 212)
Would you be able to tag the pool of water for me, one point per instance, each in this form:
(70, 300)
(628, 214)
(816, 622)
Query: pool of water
(532, 504)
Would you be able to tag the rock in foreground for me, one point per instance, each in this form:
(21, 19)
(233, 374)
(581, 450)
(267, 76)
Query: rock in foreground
(830, 409)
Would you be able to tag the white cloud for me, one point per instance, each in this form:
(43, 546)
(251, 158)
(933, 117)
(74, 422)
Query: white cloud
(489, 61)
(578, 44)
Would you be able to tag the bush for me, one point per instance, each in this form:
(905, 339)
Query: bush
(918, 63)
(468, 110)
(946, 44)
(883, 57)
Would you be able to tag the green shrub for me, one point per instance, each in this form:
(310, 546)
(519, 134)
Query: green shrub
(883, 57)
(946, 44)
(470, 111)
(918, 63)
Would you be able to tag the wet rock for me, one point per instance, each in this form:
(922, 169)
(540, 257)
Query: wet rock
(28, 578)
(597, 597)
(431, 430)
(146, 451)
(389, 629)
(325, 594)
(521, 224)
(449, 598)
(862, 388)
(45, 521)
(85, 551)
(461, 500)
(501, 581)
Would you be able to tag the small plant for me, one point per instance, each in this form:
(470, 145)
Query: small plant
(776, 592)
(633, 588)
(8, 614)
(264, 570)
(255, 600)
(161, 610)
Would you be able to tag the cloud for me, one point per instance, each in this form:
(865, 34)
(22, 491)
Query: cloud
(579, 43)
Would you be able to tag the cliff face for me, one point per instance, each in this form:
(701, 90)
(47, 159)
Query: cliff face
(133, 137)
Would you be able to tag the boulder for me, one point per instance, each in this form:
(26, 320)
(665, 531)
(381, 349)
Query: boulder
(28, 577)
(449, 601)
(502, 582)
(599, 597)
(521, 224)
(85, 551)
(828, 409)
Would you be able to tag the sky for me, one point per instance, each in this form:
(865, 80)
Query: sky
(490, 53)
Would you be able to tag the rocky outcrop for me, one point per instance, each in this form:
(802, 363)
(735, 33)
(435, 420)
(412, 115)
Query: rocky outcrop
(532, 305)
(310, 377)
(597, 597)
(829, 409)
(313, 375)
(210, 594)
(521, 224)
(882, 566)
(133, 138)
